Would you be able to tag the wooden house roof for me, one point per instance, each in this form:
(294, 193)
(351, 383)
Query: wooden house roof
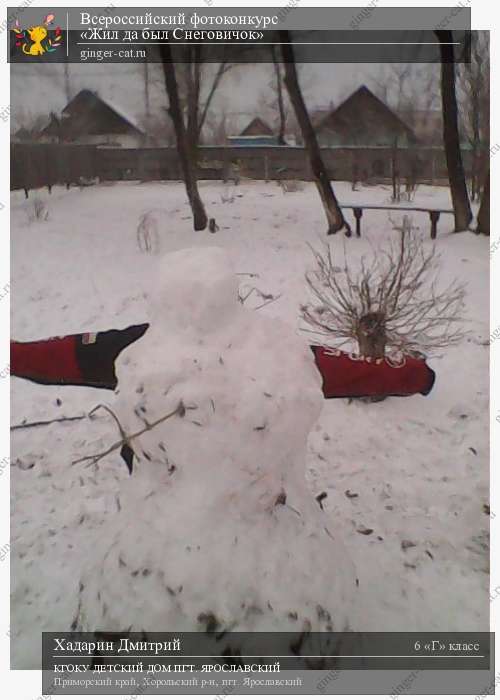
(359, 112)
(257, 127)
(87, 113)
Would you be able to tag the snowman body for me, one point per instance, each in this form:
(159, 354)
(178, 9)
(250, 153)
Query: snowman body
(217, 527)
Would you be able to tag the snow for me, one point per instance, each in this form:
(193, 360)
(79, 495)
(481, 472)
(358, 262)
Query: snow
(213, 537)
(415, 469)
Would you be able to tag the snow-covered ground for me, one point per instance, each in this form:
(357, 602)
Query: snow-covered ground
(413, 472)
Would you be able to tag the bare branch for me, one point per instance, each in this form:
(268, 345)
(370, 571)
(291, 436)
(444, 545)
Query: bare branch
(127, 439)
(222, 70)
(38, 423)
(397, 288)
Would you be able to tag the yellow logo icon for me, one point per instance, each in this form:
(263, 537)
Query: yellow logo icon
(39, 39)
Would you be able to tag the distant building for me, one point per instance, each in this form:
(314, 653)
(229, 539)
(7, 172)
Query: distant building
(257, 127)
(371, 140)
(89, 120)
(256, 133)
(363, 120)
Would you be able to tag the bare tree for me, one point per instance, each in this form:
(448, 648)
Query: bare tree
(473, 89)
(279, 97)
(275, 101)
(146, 80)
(154, 119)
(223, 68)
(456, 174)
(389, 303)
(335, 218)
(195, 75)
(483, 217)
(184, 90)
(67, 82)
(188, 164)
(409, 89)
(412, 91)
(395, 172)
(392, 84)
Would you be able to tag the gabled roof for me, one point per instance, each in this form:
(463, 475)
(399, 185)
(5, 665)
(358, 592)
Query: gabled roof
(87, 112)
(257, 127)
(341, 118)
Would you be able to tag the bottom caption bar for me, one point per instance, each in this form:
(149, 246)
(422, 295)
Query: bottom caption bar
(220, 664)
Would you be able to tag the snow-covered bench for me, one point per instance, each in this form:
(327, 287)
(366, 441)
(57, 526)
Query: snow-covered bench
(434, 214)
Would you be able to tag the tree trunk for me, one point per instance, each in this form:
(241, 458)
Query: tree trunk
(147, 107)
(334, 215)
(67, 83)
(456, 175)
(279, 93)
(396, 182)
(188, 166)
(371, 336)
(476, 145)
(193, 74)
(483, 217)
(224, 67)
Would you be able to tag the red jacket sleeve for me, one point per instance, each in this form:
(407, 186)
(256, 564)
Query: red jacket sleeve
(51, 361)
(347, 375)
(84, 359)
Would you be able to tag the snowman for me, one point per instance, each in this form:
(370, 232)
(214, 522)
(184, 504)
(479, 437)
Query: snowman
(217, 529)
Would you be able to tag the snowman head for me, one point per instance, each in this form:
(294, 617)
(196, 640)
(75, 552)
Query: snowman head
(197, 290)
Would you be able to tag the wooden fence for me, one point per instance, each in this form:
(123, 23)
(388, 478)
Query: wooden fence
(36, 165)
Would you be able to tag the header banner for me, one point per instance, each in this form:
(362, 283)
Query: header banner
(242, 35)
